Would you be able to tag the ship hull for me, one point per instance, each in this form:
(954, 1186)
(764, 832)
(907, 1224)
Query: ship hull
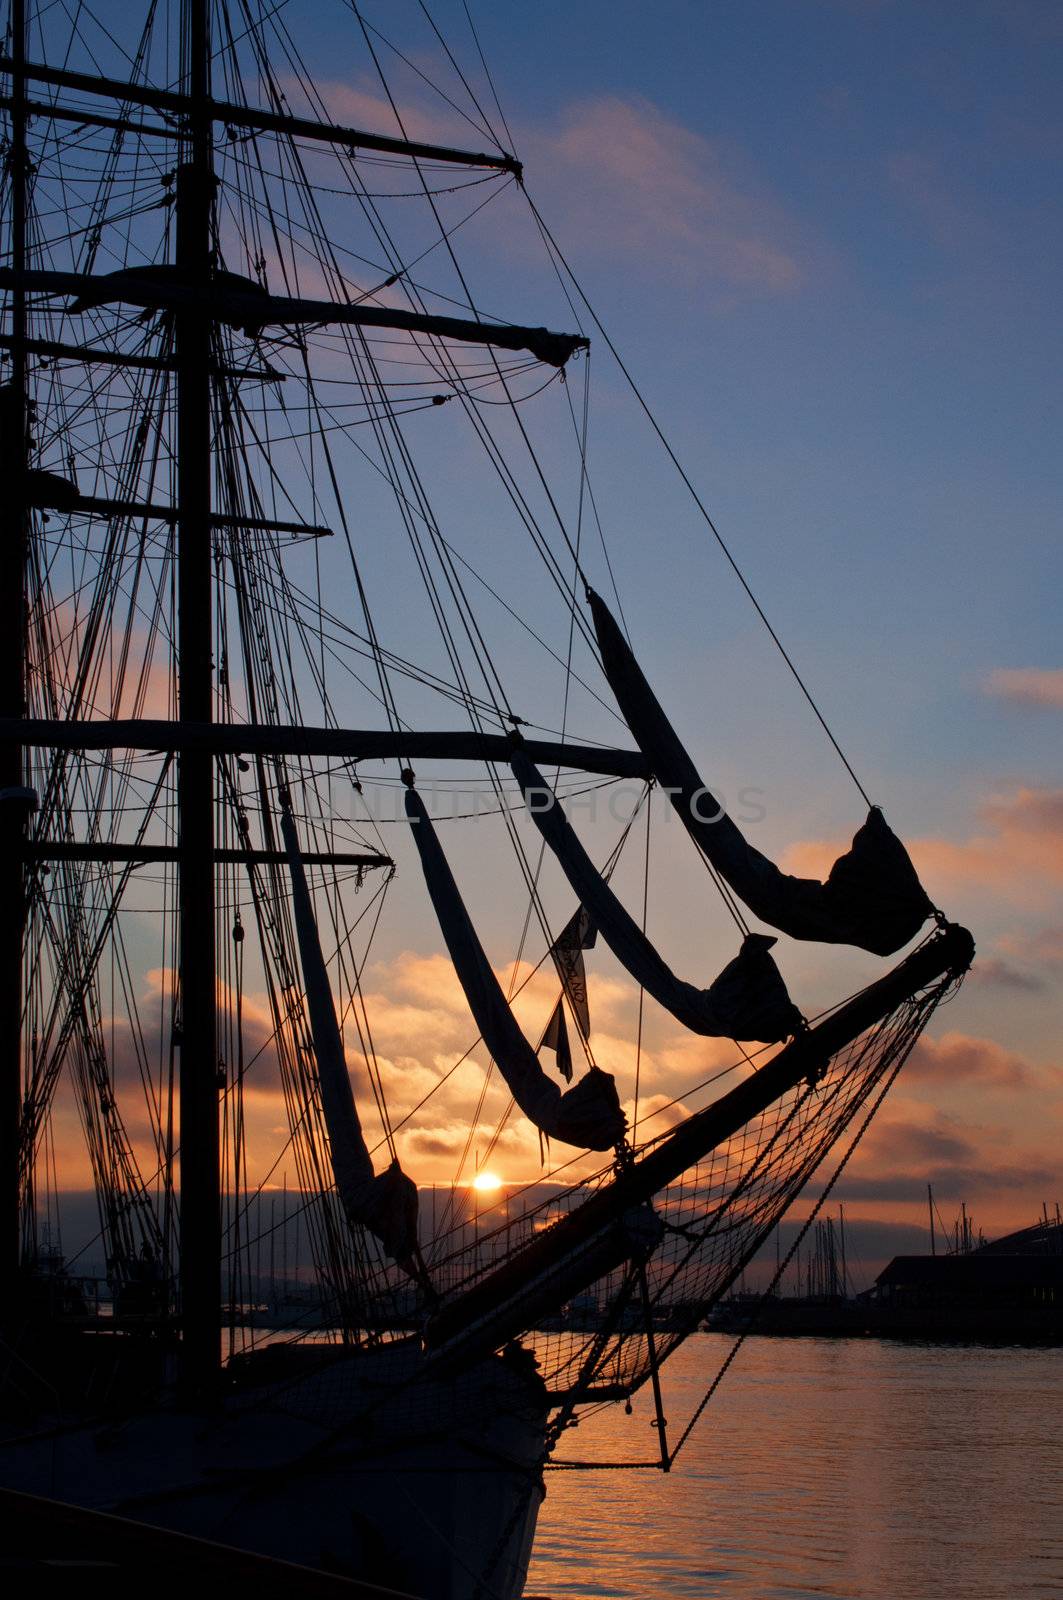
(359, 1464)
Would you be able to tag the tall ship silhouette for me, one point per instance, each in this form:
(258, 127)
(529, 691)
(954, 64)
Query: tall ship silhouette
(295, 526)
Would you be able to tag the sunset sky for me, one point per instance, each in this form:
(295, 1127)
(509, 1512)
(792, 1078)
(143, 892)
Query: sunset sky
(826, 238)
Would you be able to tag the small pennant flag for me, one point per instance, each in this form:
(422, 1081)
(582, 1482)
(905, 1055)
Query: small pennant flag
(555, 1038)
(578, 934)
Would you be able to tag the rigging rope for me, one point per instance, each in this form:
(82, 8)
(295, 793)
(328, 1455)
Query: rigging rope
(699, 503)
(784, 1264)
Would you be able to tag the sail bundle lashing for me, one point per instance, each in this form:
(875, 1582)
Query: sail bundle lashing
(872, 897)
(588, 1115)
(386, 1202)
(747, 1001)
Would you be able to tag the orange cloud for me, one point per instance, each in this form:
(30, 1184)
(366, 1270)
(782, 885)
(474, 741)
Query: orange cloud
(969, 1152)
(993, 972)
(446, 1102)
(640, 183)
(1021, 853)
(1028, 686)
(960, 1059)
(899, 1158)
(1018, 855)
(430, 980)
(896, 1143)
(352, 106)
(1026, 961)
(973, 1118)
(422, 1029)
(812, 858)
(136, 682)
(627, 178)
(1043, 948)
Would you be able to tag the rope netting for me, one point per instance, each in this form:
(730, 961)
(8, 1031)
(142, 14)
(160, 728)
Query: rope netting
(603, 1342)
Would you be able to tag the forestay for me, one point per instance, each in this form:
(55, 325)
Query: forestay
(588, 1115)
(747, 1001)
(871, 898)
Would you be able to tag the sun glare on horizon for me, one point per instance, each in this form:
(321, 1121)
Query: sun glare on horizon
(487, 1182)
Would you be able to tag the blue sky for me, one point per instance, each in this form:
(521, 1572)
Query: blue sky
(842, 305)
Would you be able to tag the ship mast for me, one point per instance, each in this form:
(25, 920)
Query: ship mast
(14, 430)
(200, 1196)
(197, 299)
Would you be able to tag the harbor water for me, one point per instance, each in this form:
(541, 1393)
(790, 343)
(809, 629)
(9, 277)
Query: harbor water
(855, 1469)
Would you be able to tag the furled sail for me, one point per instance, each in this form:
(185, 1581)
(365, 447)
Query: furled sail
(872, 896)
(385, 1203)
(588, 1115)
(747, 1001)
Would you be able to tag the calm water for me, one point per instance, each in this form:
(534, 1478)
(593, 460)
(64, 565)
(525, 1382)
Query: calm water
(860, 1470)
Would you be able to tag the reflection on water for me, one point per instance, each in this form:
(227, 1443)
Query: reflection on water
(848, 1468)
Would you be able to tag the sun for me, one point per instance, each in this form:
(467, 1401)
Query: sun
(486, 1182)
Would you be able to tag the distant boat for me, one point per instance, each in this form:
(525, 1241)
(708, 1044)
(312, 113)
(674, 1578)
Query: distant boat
(1009, 1291)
